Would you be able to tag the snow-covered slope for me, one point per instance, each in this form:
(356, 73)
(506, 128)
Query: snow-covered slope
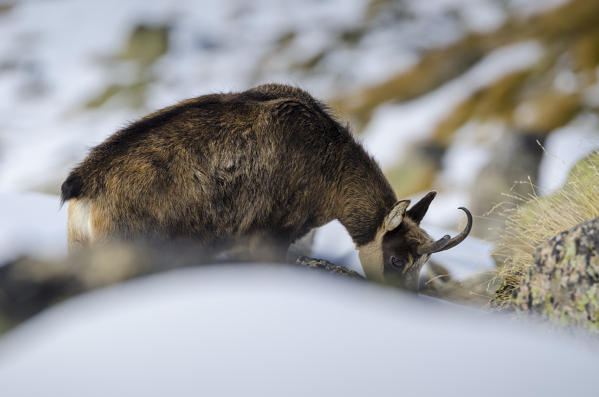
(264, 331)
(57, 56)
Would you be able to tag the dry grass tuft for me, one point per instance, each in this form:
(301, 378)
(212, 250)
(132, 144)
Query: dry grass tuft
(536, 219)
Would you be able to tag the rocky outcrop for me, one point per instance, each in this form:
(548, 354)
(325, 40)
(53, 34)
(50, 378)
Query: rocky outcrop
(513, 159)
(537, 219)
(475, 291)
(563, 283)
(327, 266)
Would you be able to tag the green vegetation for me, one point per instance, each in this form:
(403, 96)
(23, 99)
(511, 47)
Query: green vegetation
(412, 176)
(6, 7)
(144, 46)
(311, 62)
(434, 69)
(536, 219)
(130, 95)
(550, 110)
(497, 100)
(570, 29)
(586, 49)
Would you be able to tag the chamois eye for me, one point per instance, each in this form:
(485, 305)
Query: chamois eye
(398, 263)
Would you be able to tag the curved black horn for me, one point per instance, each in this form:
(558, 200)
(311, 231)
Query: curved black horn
(434, 246)
(445, 242)
(460, 237)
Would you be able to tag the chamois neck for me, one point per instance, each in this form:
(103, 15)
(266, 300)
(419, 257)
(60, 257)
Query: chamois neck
(367, 197)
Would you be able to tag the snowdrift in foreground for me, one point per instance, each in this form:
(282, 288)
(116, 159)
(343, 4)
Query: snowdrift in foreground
(279, 331)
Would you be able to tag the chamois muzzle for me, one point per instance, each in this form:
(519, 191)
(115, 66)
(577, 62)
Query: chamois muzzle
(445, 242)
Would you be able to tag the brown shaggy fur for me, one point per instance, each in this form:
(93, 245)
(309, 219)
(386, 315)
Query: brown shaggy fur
(265, 165)
(248, 173)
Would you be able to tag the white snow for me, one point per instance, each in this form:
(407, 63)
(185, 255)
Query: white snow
(395, 128)
(469, 152)
(32, 223)
(64, 48)
(591, 94)
(58, 55)
(564, 147)
(527, 8)
(276, 331)
(471, 256)
(333, 243)
(478, 16)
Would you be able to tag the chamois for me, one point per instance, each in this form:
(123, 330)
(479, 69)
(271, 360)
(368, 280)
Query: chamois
(257, 170)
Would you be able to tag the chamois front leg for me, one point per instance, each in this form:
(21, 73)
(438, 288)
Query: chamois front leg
(258, 249)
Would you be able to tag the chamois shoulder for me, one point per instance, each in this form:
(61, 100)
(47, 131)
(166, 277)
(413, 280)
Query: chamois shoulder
(301, 119)
(267, 92)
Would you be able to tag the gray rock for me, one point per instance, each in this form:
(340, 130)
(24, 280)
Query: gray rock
(475, 290)
(514, 159)
(327, 266)
(563, 283)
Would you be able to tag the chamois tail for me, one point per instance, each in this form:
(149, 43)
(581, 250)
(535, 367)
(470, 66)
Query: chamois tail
(71, 187)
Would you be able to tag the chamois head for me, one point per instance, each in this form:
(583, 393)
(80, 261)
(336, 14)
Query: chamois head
(401, 247)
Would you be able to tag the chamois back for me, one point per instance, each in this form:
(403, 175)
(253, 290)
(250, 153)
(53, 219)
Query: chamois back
(268, 163)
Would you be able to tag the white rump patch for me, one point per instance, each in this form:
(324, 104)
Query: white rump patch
(80, 227)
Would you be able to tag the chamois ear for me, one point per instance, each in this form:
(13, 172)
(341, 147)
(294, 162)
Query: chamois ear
(396, 215)
(418, 210)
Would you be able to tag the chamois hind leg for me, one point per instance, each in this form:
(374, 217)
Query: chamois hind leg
(257, 249)
(78, 224)
(268, 249)
(301, 247)
(85, 224)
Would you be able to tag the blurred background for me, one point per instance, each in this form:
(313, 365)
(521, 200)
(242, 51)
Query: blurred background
(484, 101)
(453, 95)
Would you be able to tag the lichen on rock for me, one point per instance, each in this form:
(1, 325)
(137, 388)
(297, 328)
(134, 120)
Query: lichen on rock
(537, 219)
(327, 266)
(563, 283)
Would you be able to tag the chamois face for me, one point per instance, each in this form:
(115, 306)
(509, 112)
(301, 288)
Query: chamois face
(401, 247)
(401, 260)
